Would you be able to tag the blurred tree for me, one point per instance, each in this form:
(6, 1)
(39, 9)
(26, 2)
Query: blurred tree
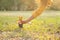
(27, 5)
(23, 5)
(6, 4)
(16, 5)
(56, 5)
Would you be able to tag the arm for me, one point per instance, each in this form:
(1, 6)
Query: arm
(39, 10)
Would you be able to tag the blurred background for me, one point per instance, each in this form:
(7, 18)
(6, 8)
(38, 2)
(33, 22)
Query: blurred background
(24, 5)
(44, 27)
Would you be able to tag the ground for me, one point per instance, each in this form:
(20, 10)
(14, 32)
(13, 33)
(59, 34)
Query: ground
(44, 27)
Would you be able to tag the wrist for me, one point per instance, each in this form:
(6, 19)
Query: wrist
(29, 19)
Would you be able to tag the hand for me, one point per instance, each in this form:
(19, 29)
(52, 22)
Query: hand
(25, 21)
(22, 22)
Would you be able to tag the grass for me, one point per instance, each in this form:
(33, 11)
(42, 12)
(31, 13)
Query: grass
(42, 28)
(45, 27)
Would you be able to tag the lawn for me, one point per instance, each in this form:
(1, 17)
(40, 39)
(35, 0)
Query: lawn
(41, 28)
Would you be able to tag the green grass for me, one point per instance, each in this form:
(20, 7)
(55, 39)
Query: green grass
(42, 28)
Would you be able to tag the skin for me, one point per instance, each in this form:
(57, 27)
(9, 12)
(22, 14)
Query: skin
(38, 11)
